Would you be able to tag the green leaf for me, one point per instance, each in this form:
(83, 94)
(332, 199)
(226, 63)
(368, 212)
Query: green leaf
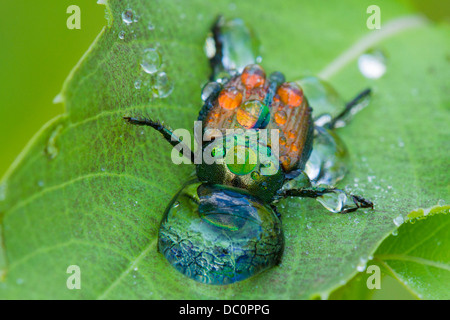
(89, 190)
(415, 255)
(419, 256)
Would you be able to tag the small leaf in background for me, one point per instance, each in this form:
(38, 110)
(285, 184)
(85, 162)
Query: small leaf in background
(416, 255)
(419, 255)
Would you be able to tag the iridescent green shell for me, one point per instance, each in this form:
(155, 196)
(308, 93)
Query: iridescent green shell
(219, 235)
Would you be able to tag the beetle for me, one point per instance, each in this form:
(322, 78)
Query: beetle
(223, 226)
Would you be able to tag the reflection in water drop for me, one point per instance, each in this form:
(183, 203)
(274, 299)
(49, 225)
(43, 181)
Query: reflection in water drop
(219, 236)
(372, 64)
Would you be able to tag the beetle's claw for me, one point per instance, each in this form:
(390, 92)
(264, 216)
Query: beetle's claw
(360, 202)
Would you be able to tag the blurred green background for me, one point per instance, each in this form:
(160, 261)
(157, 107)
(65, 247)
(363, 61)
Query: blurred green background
(38, 52)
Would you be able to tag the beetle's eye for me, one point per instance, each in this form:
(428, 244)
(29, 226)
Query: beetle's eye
(218, 152)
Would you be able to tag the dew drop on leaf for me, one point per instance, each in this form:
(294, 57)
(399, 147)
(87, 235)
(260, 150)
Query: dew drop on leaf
(151, 60)
(361, 266)
(137, 84)
(372, 64)
(129, 16)
(163, 86)
(398, 220)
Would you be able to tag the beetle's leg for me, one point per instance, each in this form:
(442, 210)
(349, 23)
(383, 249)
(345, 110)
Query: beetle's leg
(351, 108)
(166, 133)
(274, 208)
(215, 58)
(230, 47)
(335, 200)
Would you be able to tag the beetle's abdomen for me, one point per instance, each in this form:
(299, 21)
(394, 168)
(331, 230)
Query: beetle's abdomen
(250, 101)
(219, 235)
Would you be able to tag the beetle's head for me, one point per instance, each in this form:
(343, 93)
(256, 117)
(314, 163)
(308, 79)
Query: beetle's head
(244, 160)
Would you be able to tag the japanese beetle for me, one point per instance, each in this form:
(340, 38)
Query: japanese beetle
(223, 226)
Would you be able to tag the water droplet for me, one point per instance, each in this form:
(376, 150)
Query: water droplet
(398, 221)
(209, 88)
(333, 201)
(137, 84)
(280, 117)
(122, 35)
(163, 86)
(441, 203)
(394, 233)
(285, 161)
(151, 60)
(372, 64)
(150, 26)
(255, 175)
(308, 226)
(129, 16)
(361, 266)
(210, 47)
(40, 183)
(51, 149)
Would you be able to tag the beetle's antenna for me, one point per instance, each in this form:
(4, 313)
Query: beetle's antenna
(166, 133)
(351, 108)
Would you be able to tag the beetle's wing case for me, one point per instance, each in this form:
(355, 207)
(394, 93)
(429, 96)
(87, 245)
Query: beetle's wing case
(241, 105)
